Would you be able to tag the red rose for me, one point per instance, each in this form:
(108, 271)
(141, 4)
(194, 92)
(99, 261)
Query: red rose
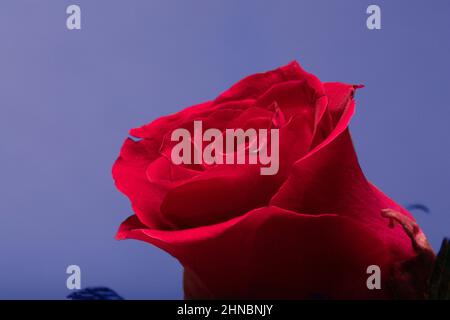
(309, 230)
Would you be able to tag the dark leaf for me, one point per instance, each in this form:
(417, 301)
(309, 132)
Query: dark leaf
(439, 287)
(95, 293)
(418, 206)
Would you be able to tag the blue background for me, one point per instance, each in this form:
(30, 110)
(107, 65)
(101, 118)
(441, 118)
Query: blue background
(68, 99)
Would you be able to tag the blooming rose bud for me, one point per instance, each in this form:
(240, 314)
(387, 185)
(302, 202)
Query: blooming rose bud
(309, 230)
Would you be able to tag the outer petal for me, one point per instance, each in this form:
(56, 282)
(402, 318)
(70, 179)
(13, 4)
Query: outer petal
(155, 130)
(129, 173)
(255, 85)
(329, 178)
(275, 253)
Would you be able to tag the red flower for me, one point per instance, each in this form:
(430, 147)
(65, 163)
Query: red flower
(310, 230)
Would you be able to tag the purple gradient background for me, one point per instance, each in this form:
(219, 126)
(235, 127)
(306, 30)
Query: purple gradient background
(68, 99)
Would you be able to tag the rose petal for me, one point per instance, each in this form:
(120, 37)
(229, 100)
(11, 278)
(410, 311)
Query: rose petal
(129, 173)
(276, 253)
(255, 85)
